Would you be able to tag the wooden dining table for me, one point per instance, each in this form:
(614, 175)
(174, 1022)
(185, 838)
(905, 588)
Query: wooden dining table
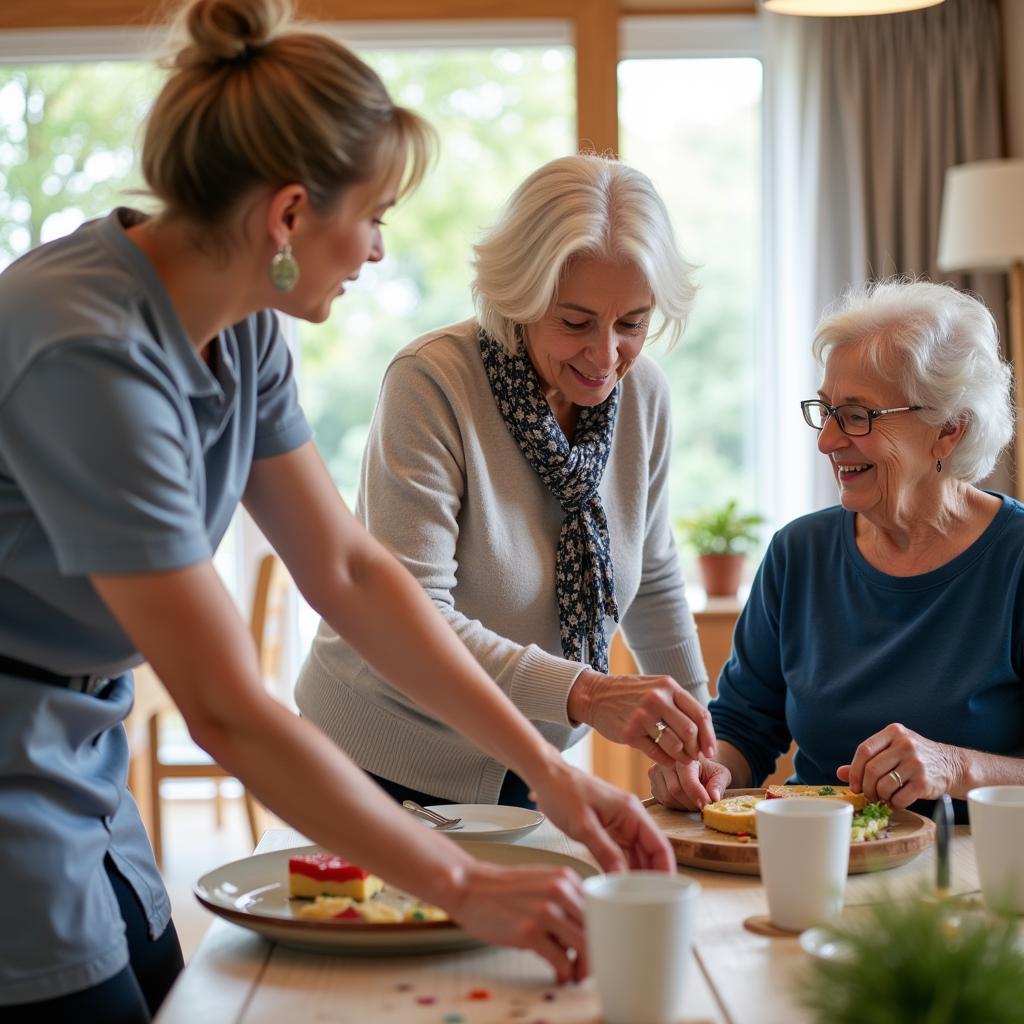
(734, 974)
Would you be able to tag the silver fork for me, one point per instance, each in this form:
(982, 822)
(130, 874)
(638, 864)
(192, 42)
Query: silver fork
(439, 821)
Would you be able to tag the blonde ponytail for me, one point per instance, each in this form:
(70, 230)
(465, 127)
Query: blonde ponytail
(252, 100)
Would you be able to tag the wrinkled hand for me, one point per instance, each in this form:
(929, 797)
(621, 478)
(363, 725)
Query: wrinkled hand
(899, 766)
(610, 822)
(688, 787)
(627, 709)
(536, 908)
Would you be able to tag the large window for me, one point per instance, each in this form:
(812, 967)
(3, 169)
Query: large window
(690, 116)
(500, 112)
(701, 145)
(68, 135)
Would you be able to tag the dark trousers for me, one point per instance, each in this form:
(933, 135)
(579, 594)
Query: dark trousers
(514, 792)
(130, 997)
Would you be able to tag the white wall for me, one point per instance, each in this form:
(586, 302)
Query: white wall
(1013, 62)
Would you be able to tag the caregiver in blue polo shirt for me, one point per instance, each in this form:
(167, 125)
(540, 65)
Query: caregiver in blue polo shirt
(145, 390)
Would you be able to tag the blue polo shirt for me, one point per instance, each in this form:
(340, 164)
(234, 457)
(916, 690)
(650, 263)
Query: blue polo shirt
(121, 450)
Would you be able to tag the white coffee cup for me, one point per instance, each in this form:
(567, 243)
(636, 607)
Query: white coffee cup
(803, 846)
(997, 827)
(639, 932)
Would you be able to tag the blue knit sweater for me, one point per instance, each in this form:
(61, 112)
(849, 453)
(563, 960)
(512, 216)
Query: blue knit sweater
(829, 650)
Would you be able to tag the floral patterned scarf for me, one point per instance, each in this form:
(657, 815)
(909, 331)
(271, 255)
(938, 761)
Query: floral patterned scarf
(585, 575)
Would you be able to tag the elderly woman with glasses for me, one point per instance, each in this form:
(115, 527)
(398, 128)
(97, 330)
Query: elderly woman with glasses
(518, 465)
(885, 635)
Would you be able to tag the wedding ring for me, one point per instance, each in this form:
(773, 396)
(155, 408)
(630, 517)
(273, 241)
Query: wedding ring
(661, 727)
(895, 776)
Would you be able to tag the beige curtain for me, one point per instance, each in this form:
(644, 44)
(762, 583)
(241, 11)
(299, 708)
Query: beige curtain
(879, 108)
(909, 96)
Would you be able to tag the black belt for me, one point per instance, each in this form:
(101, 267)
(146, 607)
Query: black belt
(23, 670)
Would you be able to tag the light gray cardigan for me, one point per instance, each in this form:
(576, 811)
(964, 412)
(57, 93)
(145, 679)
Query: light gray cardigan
(446, 488)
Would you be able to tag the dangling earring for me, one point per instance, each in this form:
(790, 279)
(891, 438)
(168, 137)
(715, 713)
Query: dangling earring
(284, 270)
(938, 465)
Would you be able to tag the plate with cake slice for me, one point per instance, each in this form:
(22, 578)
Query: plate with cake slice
(311, 899)
(724, 838)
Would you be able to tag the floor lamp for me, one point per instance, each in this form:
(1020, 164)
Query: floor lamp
(982, 228)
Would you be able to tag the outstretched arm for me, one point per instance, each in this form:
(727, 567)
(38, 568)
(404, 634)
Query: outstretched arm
(377, 607)
(187, 626)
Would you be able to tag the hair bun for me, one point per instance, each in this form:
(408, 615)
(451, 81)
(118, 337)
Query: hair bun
(229, 30)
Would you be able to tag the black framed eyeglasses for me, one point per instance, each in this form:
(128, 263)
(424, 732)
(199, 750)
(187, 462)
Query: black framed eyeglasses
(853, 420)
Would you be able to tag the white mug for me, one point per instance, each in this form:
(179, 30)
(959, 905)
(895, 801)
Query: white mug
(997, 827)
(639, 933)
(803, 846)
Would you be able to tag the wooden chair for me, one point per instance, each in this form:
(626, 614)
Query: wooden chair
(187, 761)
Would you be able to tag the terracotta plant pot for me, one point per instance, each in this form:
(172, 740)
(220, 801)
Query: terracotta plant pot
(721, 574)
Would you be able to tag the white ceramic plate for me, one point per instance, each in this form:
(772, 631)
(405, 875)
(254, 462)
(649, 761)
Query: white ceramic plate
(253, 893)
(490, 822)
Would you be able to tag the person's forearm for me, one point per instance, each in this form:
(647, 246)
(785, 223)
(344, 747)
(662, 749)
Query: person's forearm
(973, 768)
(742, 778)
(418, 652)
(329, 799)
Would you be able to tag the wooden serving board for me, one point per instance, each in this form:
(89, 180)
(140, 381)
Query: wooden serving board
(699, 847)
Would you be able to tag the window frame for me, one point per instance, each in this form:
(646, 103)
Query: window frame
(739, 35)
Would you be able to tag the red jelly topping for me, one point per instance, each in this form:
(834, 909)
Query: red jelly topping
(325, 867)
(351, 914)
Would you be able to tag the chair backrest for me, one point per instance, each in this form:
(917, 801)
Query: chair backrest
(269, 609)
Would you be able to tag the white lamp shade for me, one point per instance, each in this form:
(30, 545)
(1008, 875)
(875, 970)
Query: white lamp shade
(845, 8)
(982, 225)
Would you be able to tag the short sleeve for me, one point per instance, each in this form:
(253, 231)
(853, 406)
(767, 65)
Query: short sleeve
(94, 437)
(281, 425)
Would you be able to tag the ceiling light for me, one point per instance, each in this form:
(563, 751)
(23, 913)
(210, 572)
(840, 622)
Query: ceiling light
(845, 8)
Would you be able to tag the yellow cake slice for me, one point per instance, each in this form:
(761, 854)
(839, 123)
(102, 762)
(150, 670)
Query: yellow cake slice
(323, 874)
(373, 911)
(420, 911)
(344, 908)
(734, 814)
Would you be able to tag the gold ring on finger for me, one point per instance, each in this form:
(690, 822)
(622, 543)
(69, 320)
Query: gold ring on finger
(661, 727)
(897, 778)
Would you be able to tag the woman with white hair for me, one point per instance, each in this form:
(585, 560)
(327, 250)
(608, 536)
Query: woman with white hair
(518, 466)
(885, 634)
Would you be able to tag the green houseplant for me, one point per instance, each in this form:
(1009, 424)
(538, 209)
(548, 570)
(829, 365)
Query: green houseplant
(920, 961)
(721, 537)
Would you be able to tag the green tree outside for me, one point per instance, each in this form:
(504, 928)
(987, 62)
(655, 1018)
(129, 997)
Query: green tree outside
(68, 137)
(69, 134)
(500, 113)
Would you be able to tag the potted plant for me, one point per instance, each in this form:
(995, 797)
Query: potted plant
(721, 537)
(918, 961)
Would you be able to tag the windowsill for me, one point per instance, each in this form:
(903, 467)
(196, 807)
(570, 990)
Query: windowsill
(701, 604)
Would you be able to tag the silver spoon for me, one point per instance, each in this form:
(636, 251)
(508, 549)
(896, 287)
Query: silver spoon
(439, 821)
